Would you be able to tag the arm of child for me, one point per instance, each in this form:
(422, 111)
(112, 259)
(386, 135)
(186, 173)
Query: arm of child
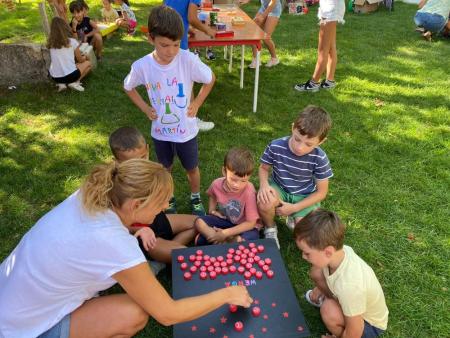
(212, 204)
(265, 193)
(79, 58)
(142, 286)
(73, 25)
(354, 327)
(202, 95)
(239, 228)
(141, 104)
(147, 236)
(319, 195)
(196, 23)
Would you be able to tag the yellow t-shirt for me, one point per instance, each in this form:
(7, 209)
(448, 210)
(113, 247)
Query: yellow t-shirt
(358, 290)
(109, 16)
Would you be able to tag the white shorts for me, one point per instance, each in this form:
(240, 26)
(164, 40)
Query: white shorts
(331, 10)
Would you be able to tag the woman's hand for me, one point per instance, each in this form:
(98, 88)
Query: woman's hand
(147, 236)
(238, 295)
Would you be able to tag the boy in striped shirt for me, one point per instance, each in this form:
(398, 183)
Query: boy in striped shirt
(300, 172)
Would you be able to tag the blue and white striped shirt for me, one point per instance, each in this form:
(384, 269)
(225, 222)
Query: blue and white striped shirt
(296, 174)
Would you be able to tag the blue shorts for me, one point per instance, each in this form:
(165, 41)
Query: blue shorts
(276, 10)
(214, 221)
(187, 152)
(431, 22)
(371, 331)
(59, 330)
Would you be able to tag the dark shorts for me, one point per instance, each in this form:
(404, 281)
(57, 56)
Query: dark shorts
(187, 152)
(59, 330)
(214, 221)
(162, 229)
(72, 77)
(371, 331)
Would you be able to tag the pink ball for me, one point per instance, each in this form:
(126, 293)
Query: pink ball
(232, 269)
(233, 308)
(248, 266)
(212, 275)
(259, 275)
(187, 276)
(192, 258)
(268, 261)
(266, 268)
(193, 269)
(199, 252)
(203, 275)
(270, 274)
(260, 248)
(247, 275)
(197, 263)
(238, 326)
(256, 311)
(241, 269)
(180, 259)
(251, 245)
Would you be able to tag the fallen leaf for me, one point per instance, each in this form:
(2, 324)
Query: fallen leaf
(411, 236)
(379, 103)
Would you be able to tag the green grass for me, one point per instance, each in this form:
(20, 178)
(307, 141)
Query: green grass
(389, 146)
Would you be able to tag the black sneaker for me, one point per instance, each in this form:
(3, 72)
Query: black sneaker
(327, 84)
(308, 86)
(172, 209)
(197, 207)
(210, 55)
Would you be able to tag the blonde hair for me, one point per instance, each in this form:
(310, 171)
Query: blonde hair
(110, 185)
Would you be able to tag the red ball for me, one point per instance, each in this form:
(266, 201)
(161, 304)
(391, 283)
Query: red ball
(268, 261)
(260, 248)
(270, 274)
(212, 275)
(218, 270)
(206, 258)
(250, 260)
(216, 264)
(261, 263)
(246, 251)
(229, 256)
(233, 308)
(251, 255)
(238, 252)
(212, 259)
(197, 263)
(248, 266)
(259, 275)
(305, 10)
(220, 259)
(241, 269)
(238, 326)
(180, 259)
(207, 263)
(203, 275)
(210, 268)
(237, 258)
(231, 251)
(254, 250)
(256, 311)
(187, 276)
(252, 271)
(198, 258)
(266, 268)
(244, 256)
(223, 264)
(229, 261)
(183, 266)
(247, 275)
(192, 258)
(257, 259)
(232, 269)
(224, 270)
(251, 245)
(199, 252)
(203, 268)
(241, 247)
(243, 261)
(193, 269)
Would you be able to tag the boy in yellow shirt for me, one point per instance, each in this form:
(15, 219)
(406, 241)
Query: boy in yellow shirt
(347, 291)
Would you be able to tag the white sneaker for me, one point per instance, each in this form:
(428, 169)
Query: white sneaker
(204, 125)
(272, 62)
(76, 86)
(156, 266)
(253, 64)
(61, 87)
(272, 233)
(290, 223)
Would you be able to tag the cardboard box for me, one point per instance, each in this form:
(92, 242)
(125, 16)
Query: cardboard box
(365, 6)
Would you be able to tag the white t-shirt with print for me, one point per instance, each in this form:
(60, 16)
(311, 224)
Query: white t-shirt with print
(129, 12)
(63, 59)
(169, 89)
(66, 258)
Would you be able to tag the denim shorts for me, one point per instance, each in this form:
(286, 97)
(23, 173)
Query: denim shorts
(187, 152)
(276, 10)
(431, 22)
(59, 330)
(371, 331)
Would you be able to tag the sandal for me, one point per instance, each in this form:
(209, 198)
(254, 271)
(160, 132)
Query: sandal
(309, 300)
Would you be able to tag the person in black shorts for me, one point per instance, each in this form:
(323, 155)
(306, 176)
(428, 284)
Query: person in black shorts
(167, 232)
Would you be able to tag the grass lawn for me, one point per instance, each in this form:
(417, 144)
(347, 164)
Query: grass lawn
(389, 146)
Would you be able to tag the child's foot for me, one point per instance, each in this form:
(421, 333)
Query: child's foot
(61, 87)
(272, 233)
(290, 223)
(327, 84)
(427, 36)
(204, 125)
(76, 86)
(172, 209)
(272, 62)
(253, 64)
(308, 86)
(210, 55)
(197, 207)
(311, 300)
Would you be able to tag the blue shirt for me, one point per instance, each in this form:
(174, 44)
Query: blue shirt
(296, 174)
(182, 8)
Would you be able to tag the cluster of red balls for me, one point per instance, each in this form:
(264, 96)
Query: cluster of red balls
(239, 326)
(243, 260)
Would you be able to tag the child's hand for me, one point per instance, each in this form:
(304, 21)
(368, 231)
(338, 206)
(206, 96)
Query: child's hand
(217, 214)
(192, 109)
(266, 194)
(238, 295)
(147, 236)
(151, 113)
(285, 209)
(211, 32)
(217, 237)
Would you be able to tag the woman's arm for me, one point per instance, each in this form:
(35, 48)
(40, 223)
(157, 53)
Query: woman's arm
(142, 286)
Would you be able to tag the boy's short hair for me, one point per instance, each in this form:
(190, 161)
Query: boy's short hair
(313, 121)
(75, 6)
(239, 161)
(321, 228)
(166, 22)
(84, 4)
(125, 139)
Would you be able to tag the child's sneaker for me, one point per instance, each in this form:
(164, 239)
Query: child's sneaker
(172, 209)
(210, 55)
(290, 223)
(204, 125)
(76, 86)
(272, 233)
(253, 64)
(327, 84)
(272, 62)
(308, 86)
(197, 207)
(61, 87)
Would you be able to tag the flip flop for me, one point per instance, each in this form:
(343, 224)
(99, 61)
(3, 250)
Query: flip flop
(308, 299)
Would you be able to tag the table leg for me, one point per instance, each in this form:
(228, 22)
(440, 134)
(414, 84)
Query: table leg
(230, 66)
(242, 66)
(255, 93)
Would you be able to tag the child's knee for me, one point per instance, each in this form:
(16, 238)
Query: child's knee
(331, 313)
(198, 224)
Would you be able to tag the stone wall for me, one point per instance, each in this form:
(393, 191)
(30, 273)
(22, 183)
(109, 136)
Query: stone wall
(23, 63)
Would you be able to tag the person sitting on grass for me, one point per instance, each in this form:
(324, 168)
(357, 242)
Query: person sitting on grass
(85, 29)
(167, 232)
(168, 75)
(300, 171)
(109, 14)
(67, 66)
(348, 293)
(127, 19)
(432, 17)
(51, 280)
(232, 203)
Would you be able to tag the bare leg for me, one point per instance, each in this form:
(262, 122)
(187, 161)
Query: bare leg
(194, 179)
(162, 252)
(108, 316)
(260, 22)
(267, 210)
(204, 229)
(332, 316)
(183, 227)
(84, 68)
(97, 43)
(332, 57)
(318, 278)
(326, 33)
(269, 27)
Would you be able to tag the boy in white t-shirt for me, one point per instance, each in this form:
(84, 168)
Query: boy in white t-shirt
(168, 74)
(347, 291)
